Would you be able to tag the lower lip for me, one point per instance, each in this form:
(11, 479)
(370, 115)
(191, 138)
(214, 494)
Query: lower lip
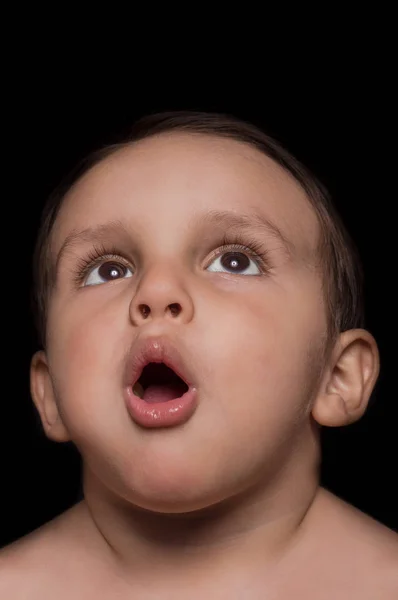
(162, 414)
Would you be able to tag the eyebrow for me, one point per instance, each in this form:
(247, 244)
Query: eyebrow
(225, 220)
(254, 221)
(90, 235)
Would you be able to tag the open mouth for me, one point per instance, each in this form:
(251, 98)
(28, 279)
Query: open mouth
(159, 383)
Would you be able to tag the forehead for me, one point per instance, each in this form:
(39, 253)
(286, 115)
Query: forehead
(167, 180)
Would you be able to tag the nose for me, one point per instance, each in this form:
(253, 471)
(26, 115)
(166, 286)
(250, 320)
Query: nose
(161, 294)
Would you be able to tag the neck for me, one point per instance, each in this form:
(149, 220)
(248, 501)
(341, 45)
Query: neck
(258, 527)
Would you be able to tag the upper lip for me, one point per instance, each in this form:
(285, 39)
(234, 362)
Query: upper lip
(157, 350)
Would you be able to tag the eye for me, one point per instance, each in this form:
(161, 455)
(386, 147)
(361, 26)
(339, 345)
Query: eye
(107, 271)
(235, 262)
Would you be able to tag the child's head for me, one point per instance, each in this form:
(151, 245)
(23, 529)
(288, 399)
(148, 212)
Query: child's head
(201, 230)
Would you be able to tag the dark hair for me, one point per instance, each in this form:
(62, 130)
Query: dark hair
(342, 273)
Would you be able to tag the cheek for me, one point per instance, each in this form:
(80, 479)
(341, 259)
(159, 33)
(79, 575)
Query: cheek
(266, 350)
(81, 321)
(87, 351)
(265, 358)
(284, 319)
(87, 341)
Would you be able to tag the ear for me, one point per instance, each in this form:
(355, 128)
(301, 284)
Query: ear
(349, 379)
(42, 392)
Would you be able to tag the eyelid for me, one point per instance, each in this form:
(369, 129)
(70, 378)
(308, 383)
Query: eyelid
(232, 242)
(239, 242)
(235, 248)
(95, 257)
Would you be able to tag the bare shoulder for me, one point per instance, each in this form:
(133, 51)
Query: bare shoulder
(24, 564)
(356, 527)
(360, 554)
(40, 565)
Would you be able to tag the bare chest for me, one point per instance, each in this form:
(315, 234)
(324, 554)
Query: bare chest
(312, 585)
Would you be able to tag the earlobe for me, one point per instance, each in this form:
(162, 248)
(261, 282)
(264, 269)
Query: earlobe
(42, 393)
(349, 380)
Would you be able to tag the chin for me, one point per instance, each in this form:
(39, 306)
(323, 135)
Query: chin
(171, 492)
(176, 504)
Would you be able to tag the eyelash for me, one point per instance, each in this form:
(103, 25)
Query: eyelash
(239, 243)
(98, 254)
(229, 243)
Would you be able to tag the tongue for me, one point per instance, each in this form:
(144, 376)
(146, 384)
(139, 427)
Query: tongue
(162, 393)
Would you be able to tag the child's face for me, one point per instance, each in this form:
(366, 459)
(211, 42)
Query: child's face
(253, 342)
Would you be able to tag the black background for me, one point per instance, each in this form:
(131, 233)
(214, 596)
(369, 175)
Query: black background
(338, 118)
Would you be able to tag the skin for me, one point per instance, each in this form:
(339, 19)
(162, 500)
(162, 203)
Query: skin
(232, 496)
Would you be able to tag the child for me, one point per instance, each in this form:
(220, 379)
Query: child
(200, 312)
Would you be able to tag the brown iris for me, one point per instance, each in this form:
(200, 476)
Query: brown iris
(109, 271)
(235, 261)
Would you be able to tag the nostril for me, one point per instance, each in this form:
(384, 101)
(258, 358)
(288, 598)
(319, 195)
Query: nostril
(175, 309)
(144, 310)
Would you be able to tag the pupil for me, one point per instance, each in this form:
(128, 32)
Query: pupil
(234, 260)
(111, 271)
